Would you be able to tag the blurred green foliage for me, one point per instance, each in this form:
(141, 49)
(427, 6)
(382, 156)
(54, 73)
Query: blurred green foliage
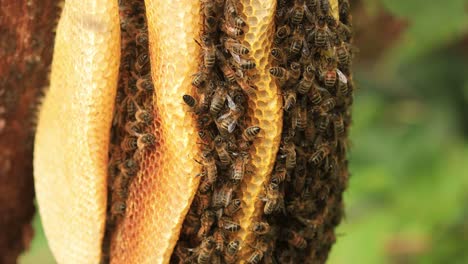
(407, 200)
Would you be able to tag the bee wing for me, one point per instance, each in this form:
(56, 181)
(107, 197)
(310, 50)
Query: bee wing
(342, 77)
(231, 103)
(231, 127)
(236, 57)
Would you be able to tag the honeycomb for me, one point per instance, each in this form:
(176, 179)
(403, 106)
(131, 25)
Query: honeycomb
(160, 195)
(265, 110)
(71, 147)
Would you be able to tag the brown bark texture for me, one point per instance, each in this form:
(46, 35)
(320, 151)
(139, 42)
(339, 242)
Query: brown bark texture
(26, 44)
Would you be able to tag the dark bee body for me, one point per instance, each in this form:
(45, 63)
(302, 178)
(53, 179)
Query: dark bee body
(189, 100)
(307, 80)
(221, 149)
(129, 143)
(231, 30)
(235, 47)
(198, 79)
(318, 156)
(297, 12)
(261, 228)
(281, 34)
(279, 56)
(330, 77)
(217, 102)
(207, 220)
(231, 251)
(339, 126)
(315, 96)
(145, 140)
(328, 104)
(220, 239)
(209, 51)
(233, 207)
(206, 250)
(289, 100)
(289, 150)
(296, 240)
(228, 224)
(251, 133)
(142, 63)
(238, 168)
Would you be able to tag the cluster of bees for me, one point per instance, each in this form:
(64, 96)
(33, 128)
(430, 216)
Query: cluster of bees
(133, 114)
(219, 103)
(312, 55)
(303, 197)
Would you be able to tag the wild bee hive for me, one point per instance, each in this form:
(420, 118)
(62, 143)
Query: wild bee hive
(229, 131)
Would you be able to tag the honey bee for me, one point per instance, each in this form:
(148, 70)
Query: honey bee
(323, 124)
(339, 125)
(228, 72)
(199, 79)
(315, 96)
(223, 154)
(228, 121)
(128, 168)
(220, 239)
(205, 185)
(301, 115)
(204, 120)
(330, 77)
(297, 12)
(206, 136)
(341, 52)
(273, 198)
(189, 100)
(261, 228)
(234, 47)
(119, 188)
(251, 133)
(307, 80)
(206, 250)
(324, 6)
(129, 143)
(230, 30)
(321, 34)
(203, 201)
(141, 39)
(207, 220)
(295, 239)
(228, 224)
(144, 116)
(279, 56)
(145, 140)
(245, 86)
(231, 251)
(319, 155)
(296, 41)
(217, 102)
(289, 99)
(141, 63)
(289, 150)
(244, 63)
(209, 51)
(238, 168)
(222, 196)
(300, 175)
(327, 105)
(280, 173)
(118, 208)
(209, 166)
(281, 34)
(260, 249)
(145, 84)
(210, 25)
(230, 12)
(232, 207)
